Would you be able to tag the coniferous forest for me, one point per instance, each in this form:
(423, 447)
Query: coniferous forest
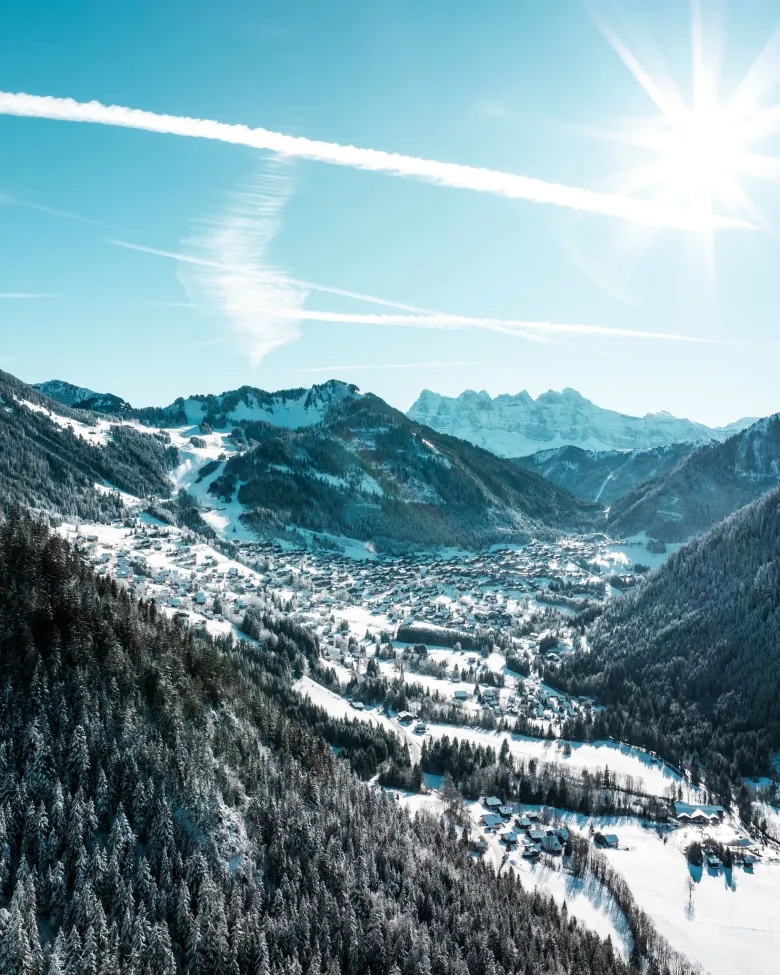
(166, 807)
(687, 665)
(47, 466)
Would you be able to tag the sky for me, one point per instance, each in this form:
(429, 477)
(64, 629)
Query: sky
(446, 195)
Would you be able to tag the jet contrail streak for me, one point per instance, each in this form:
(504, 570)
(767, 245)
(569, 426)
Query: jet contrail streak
(429, 170)
(505, 326)
(307, 285)
(419, 317)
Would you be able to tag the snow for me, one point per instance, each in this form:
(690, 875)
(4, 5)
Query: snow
(732, 923)
(651, 775)
(292, 409)
(514, 426)
(97, 433)
(338, 707)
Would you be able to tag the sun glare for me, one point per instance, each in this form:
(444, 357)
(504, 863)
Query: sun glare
(701, 158)
(702, 148)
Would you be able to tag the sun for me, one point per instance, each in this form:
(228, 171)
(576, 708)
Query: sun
(700, 159)
(700, 152)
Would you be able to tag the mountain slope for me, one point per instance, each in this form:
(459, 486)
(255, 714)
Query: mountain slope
(368, 472)
(689, 664)
(707, 485)
(83, 398)
(514, 426)
(51, 457)
(168, 806)
(289, 408)
(604, 475)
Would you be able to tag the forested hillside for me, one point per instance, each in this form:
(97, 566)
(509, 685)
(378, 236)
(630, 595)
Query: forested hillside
(46, 465)
(367, 471)
(82, 398)
(689, 665)
(706, 486)
(603, 475)
(165, 809)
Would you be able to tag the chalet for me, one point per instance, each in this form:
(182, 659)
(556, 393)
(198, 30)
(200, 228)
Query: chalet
(523, 822)
(551, 843)
(491, 821)
(492, 802)
(506, 811)
(405, 717)
(701, 815)
(609, 841)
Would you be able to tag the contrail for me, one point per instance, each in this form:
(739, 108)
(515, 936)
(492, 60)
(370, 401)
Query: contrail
(418, 317)
(505, 326)
(374, 160)
(307, 285)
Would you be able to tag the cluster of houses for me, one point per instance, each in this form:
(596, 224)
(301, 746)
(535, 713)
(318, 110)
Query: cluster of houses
(491, 590)
(528, 697)
(522, 830)
(329, 592)
(163, 565)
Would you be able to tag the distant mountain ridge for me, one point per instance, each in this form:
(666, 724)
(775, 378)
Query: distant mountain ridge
(515, 426)
(707, 485)
(603, 475)
(83, 398)
(289, 408)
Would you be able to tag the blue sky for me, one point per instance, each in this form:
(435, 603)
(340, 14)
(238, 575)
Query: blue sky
(526, 88)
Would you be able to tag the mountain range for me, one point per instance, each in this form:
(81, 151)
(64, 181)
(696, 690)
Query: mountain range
(514, 426)
(66, 462)
(334, 463)
(367, 471)
(305, 464)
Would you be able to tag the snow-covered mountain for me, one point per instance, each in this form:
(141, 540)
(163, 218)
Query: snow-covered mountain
(82, 398)
(514, 426)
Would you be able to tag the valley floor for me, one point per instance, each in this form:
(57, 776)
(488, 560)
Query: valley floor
(729, 921)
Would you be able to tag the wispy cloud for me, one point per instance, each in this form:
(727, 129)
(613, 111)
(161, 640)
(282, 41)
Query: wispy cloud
(14, 295)
(413, 317)
(387, 365)
(452, 175)
(232, 275)
(233, 269)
